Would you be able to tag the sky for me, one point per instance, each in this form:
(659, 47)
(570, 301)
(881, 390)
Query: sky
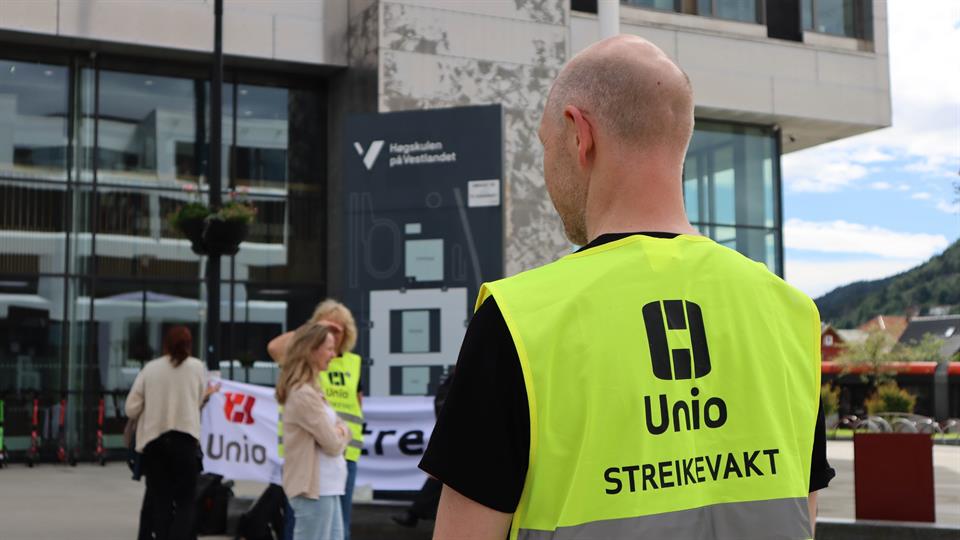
(883, 202)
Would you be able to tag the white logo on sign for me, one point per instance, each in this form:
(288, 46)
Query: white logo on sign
(371, 156)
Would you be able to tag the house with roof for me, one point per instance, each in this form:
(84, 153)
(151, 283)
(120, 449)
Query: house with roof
(833, 339)
(946, 328)
(892, 325)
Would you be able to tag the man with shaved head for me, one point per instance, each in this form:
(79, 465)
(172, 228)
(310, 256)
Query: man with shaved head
(654, 384)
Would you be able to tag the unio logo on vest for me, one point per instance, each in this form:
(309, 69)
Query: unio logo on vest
(239, 407)
(679, 364)
(685, 414)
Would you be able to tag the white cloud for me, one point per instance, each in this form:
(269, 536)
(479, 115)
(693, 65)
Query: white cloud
(903, 187)
(815, 176)
(922, 196)
(819, 277)
(881, 185)
(924, 49)
(949, 208)
(871, 155)
(844, 237)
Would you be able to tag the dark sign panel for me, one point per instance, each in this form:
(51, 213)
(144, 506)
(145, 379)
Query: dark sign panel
(424, 228)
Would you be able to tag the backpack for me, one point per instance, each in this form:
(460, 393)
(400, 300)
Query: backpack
(264, 520)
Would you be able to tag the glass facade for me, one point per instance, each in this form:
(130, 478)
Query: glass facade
(848, 18)
(94, 157)
(735, 10)
(731, 184)
(665, 5)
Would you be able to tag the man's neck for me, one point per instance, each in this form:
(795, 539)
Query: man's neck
(619, 199)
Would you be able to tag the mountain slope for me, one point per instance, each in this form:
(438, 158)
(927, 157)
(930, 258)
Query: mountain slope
(933, 283)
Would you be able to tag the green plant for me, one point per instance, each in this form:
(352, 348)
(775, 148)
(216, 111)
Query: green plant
(874, 353)
(890, 398)
(188, 212)
(237, 211)
(925, 350)
(830, 398)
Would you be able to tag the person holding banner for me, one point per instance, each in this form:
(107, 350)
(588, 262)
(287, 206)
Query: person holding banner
(341, 385)
(314, 438)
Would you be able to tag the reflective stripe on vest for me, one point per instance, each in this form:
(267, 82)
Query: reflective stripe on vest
(280, 430)
(340, 385)
(752, 520)
(665, 378)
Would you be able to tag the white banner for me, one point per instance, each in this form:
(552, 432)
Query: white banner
(396, 433)
(238, 431)
(239, 437)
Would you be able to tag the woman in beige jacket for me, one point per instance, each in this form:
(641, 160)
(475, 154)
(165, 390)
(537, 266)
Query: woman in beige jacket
(165, 402)
(314, 469)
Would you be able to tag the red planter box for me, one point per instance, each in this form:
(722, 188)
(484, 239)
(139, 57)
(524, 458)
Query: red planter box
(893, 476)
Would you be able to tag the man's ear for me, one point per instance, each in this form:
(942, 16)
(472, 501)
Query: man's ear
(583, 130)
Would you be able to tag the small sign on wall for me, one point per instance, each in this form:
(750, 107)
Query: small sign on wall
(482, 193)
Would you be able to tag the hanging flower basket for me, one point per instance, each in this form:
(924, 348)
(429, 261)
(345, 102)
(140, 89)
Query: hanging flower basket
(189, 220)
(214, 233)
(223, 237)
(224, 230)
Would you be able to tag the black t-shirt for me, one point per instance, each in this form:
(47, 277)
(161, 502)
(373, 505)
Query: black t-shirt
(481, 443)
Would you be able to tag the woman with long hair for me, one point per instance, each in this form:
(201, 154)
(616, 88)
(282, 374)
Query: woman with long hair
(346, 391)
(165, 400)
(314, 469)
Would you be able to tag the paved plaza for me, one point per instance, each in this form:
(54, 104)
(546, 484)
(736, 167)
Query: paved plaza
(90, 502)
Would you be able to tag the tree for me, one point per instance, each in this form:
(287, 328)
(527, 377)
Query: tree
(874, 353)
(925, 350)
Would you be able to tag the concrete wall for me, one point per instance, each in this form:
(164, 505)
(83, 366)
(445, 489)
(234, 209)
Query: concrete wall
(437, 53)
(312, 32)
(821, 90)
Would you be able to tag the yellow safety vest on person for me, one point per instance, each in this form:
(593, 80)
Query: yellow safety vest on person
(341, 383)
(673, 387)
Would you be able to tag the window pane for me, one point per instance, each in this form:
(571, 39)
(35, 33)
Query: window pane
(135, 238)
(691, 189)
(33, 119)
(705, 7)
(836, 17)
(297, 223)
(148, 128)
(260, 313)
(131, 318)
(731, 170)
(32, 225)
(737, 10)
(666, 5)
(807, 14)
(31, 329)
(260, 155)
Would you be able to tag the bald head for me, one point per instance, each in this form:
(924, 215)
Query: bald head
(634, 92)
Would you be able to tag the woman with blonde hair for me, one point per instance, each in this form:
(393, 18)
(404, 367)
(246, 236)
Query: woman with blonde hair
(341, 384)
(314, 469)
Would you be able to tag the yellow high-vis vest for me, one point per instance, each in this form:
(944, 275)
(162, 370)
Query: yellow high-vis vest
(673, 387)
(341, 382)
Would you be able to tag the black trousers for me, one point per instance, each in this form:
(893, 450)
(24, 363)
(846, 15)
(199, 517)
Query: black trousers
(172, 467)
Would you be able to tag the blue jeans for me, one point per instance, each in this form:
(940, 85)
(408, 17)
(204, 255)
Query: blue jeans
(289, 521)
(317, 519)
(346, 502)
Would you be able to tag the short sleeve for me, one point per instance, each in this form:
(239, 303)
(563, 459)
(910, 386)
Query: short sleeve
(481, 443)
(820, 470)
